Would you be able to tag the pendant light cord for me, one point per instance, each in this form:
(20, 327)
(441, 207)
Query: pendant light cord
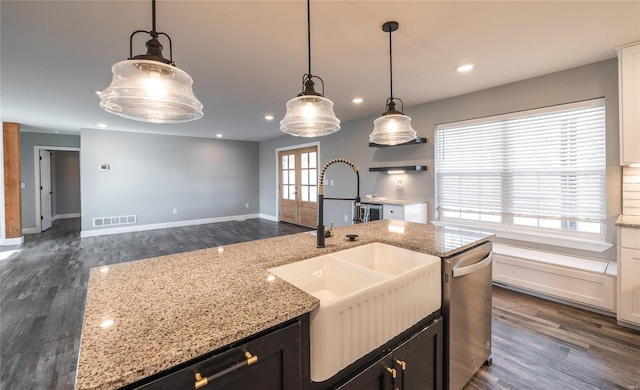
(390, 67)
(153, 18)
(308, 33)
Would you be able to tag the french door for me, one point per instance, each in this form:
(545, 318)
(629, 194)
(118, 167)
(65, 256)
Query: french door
(298, 186)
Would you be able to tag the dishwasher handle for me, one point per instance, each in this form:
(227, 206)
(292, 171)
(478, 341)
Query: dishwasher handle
(473, 267)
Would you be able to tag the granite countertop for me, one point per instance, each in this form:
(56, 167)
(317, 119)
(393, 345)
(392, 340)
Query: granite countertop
(393, 201)
(632, 221)
(145, 316)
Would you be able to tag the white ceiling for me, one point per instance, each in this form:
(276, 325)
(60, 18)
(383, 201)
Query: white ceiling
(247, 58)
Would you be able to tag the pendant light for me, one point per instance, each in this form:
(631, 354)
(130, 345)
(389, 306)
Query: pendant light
(393, 127)
(310, 114)
(149, 87)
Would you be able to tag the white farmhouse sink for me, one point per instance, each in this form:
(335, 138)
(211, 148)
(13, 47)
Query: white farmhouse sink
(327, 277)
(368, 295)
(385, 259)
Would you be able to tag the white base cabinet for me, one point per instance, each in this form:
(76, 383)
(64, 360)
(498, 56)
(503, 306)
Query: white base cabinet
(416, 212)
(629, 276)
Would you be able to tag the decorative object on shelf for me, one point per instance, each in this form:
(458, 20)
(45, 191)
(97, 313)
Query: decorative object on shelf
(309, 114)
(400, 169)
(149, 87)
(393, 127)
(417, 140)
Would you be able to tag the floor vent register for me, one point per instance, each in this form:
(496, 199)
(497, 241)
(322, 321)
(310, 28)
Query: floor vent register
(112, 221)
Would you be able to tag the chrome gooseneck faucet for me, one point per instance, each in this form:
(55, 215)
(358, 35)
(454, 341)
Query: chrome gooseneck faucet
(321, 198)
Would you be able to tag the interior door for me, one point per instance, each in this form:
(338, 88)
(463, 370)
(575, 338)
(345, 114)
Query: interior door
(298, 186)
(45, 189)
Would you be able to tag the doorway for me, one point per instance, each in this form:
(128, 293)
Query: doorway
(57, 185)
(298, 186)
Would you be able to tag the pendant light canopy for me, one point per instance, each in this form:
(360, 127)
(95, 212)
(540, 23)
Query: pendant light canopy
(310, 114)
(393, 127)
(149, 87)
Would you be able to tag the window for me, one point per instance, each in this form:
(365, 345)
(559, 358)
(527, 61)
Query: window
(539, 170)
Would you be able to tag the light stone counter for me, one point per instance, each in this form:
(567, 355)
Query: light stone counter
(631, 221)
(393, 201)
(146, 316)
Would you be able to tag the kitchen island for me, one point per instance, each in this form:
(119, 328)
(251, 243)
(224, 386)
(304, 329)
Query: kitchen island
(147, 316)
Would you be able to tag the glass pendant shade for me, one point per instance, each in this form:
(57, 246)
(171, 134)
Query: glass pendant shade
(392, 129)
(151, 91)
(310, 116)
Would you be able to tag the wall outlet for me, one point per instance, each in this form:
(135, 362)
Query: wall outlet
(346, 218)
(175, 211)
(331, 181)
(23, 185)
(246, 205)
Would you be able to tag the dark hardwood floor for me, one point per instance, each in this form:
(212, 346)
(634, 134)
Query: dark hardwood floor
(537, 344)
(540, 344)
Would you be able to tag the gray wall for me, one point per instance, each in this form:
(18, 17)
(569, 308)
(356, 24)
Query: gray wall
(65, 179)
(150, 175)
(586, 82)
(27, 142)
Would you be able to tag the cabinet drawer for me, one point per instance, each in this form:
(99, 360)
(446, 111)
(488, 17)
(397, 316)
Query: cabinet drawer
(278, 366)
(630, 238)
(390, 211)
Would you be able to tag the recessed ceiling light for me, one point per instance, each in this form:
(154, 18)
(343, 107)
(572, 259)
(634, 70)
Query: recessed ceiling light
(103, 125)
(358, 100)
(268, 117)
(219, 135)
(464, 68)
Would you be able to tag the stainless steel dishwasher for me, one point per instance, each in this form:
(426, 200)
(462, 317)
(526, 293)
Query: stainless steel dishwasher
(466, 280)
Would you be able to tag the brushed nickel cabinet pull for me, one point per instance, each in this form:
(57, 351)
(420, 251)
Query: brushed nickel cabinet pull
(201, 382)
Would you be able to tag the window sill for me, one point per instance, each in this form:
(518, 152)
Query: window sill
(538, 238)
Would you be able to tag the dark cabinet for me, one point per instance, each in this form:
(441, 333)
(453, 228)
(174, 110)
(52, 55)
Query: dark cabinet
(418, 360)
(416, 364)
(377, 376)
(273, 361)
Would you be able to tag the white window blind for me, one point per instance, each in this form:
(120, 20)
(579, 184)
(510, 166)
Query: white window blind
(541, 169)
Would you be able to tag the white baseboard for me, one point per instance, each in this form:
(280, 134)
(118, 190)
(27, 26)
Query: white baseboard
(31, 230)
(268, 217)
(557, 299)
(13, 241)
(66, 216)
(164, 225)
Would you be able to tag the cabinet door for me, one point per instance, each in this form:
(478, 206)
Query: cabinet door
(378, 376)
(416, 213)
(419, 359)
(629, 279)
(390, 211)
(278, 366)
(629, 91)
